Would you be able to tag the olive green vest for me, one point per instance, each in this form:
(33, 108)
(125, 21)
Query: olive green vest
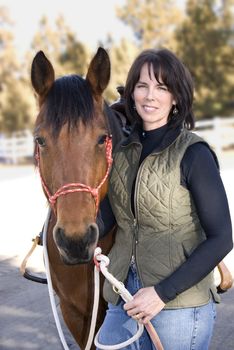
(165, 229)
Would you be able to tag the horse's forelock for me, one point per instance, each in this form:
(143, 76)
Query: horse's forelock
(69, 100)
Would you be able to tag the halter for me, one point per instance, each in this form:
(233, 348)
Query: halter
(77, 186)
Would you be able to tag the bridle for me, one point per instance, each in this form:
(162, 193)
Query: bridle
(77, 186)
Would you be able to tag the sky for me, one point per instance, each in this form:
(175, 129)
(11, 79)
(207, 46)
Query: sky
(91, 20)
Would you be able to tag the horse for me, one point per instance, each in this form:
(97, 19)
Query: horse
(73, 145)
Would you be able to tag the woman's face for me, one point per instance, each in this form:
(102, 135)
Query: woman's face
(152, 99)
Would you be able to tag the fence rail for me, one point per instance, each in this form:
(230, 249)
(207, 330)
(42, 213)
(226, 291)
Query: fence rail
(17, 148)
(218, 132)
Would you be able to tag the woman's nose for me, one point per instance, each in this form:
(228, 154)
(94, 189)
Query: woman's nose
(150, 94)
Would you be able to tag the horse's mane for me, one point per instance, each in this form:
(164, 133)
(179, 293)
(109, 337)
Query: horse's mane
(68, 101)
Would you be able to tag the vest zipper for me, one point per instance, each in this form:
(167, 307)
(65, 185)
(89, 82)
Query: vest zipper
(135, 220)
(135, 233)
(135, 242)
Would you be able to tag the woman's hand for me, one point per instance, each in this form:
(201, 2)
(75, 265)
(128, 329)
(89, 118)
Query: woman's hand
(145, 305)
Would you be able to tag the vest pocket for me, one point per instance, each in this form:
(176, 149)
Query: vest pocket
(191, 243)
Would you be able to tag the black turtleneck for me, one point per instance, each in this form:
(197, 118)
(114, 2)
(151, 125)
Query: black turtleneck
(200, 175)
(151, 140)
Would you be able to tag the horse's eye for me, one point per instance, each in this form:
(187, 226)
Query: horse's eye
(102, 139)
(40, 141)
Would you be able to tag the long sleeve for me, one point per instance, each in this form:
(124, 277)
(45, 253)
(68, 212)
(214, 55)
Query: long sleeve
(200, 174)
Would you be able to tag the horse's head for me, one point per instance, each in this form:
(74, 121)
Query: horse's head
(73, 151)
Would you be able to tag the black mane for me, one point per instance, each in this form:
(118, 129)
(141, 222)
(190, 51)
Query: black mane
(68, 101)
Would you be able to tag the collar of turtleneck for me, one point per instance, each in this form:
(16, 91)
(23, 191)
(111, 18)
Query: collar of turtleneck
(153, 140)
(154, 134)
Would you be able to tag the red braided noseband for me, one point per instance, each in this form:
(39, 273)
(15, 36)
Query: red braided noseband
(78, 187)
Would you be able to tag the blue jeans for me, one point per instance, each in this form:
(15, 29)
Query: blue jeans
(178, 329)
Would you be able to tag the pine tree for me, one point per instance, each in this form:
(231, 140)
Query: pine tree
(205, 43)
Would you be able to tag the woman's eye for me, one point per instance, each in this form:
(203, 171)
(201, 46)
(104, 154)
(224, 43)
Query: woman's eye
(102, 139)
(163, 87)
(40, 141)
(140, 86)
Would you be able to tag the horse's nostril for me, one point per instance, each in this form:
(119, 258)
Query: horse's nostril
(60, 236)
(93, 233)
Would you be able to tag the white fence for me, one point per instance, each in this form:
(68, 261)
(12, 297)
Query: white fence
(16, 148)
(218, 132)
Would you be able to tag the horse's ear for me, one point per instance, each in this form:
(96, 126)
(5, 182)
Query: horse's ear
(98, 74)
(42, 75)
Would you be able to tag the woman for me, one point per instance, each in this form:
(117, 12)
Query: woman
(173, 222)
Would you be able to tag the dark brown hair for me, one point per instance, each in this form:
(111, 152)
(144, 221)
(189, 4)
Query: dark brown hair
(173, 73)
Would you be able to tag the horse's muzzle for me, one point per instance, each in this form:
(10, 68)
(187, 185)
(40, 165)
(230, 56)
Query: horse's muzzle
(76, 249)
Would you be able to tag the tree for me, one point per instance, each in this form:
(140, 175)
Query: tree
(121, 57)
(61, 46)
(205, 43)
(152, 21)
(14, 109)
(8, 62)
(74, 56)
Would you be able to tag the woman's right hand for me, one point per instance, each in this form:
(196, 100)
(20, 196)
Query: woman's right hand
(145, 305)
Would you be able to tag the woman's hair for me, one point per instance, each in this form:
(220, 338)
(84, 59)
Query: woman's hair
(173, 73)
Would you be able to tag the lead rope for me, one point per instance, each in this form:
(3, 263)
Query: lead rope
(49, 283)
(126, 296)
(52, 298)
(104, 261)
(96, 299)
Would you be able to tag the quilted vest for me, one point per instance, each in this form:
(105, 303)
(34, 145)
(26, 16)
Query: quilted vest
(165, 228)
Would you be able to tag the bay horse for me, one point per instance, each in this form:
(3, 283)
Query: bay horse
(73, 149)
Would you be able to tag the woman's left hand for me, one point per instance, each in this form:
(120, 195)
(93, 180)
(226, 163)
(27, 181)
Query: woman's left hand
(145, 305)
